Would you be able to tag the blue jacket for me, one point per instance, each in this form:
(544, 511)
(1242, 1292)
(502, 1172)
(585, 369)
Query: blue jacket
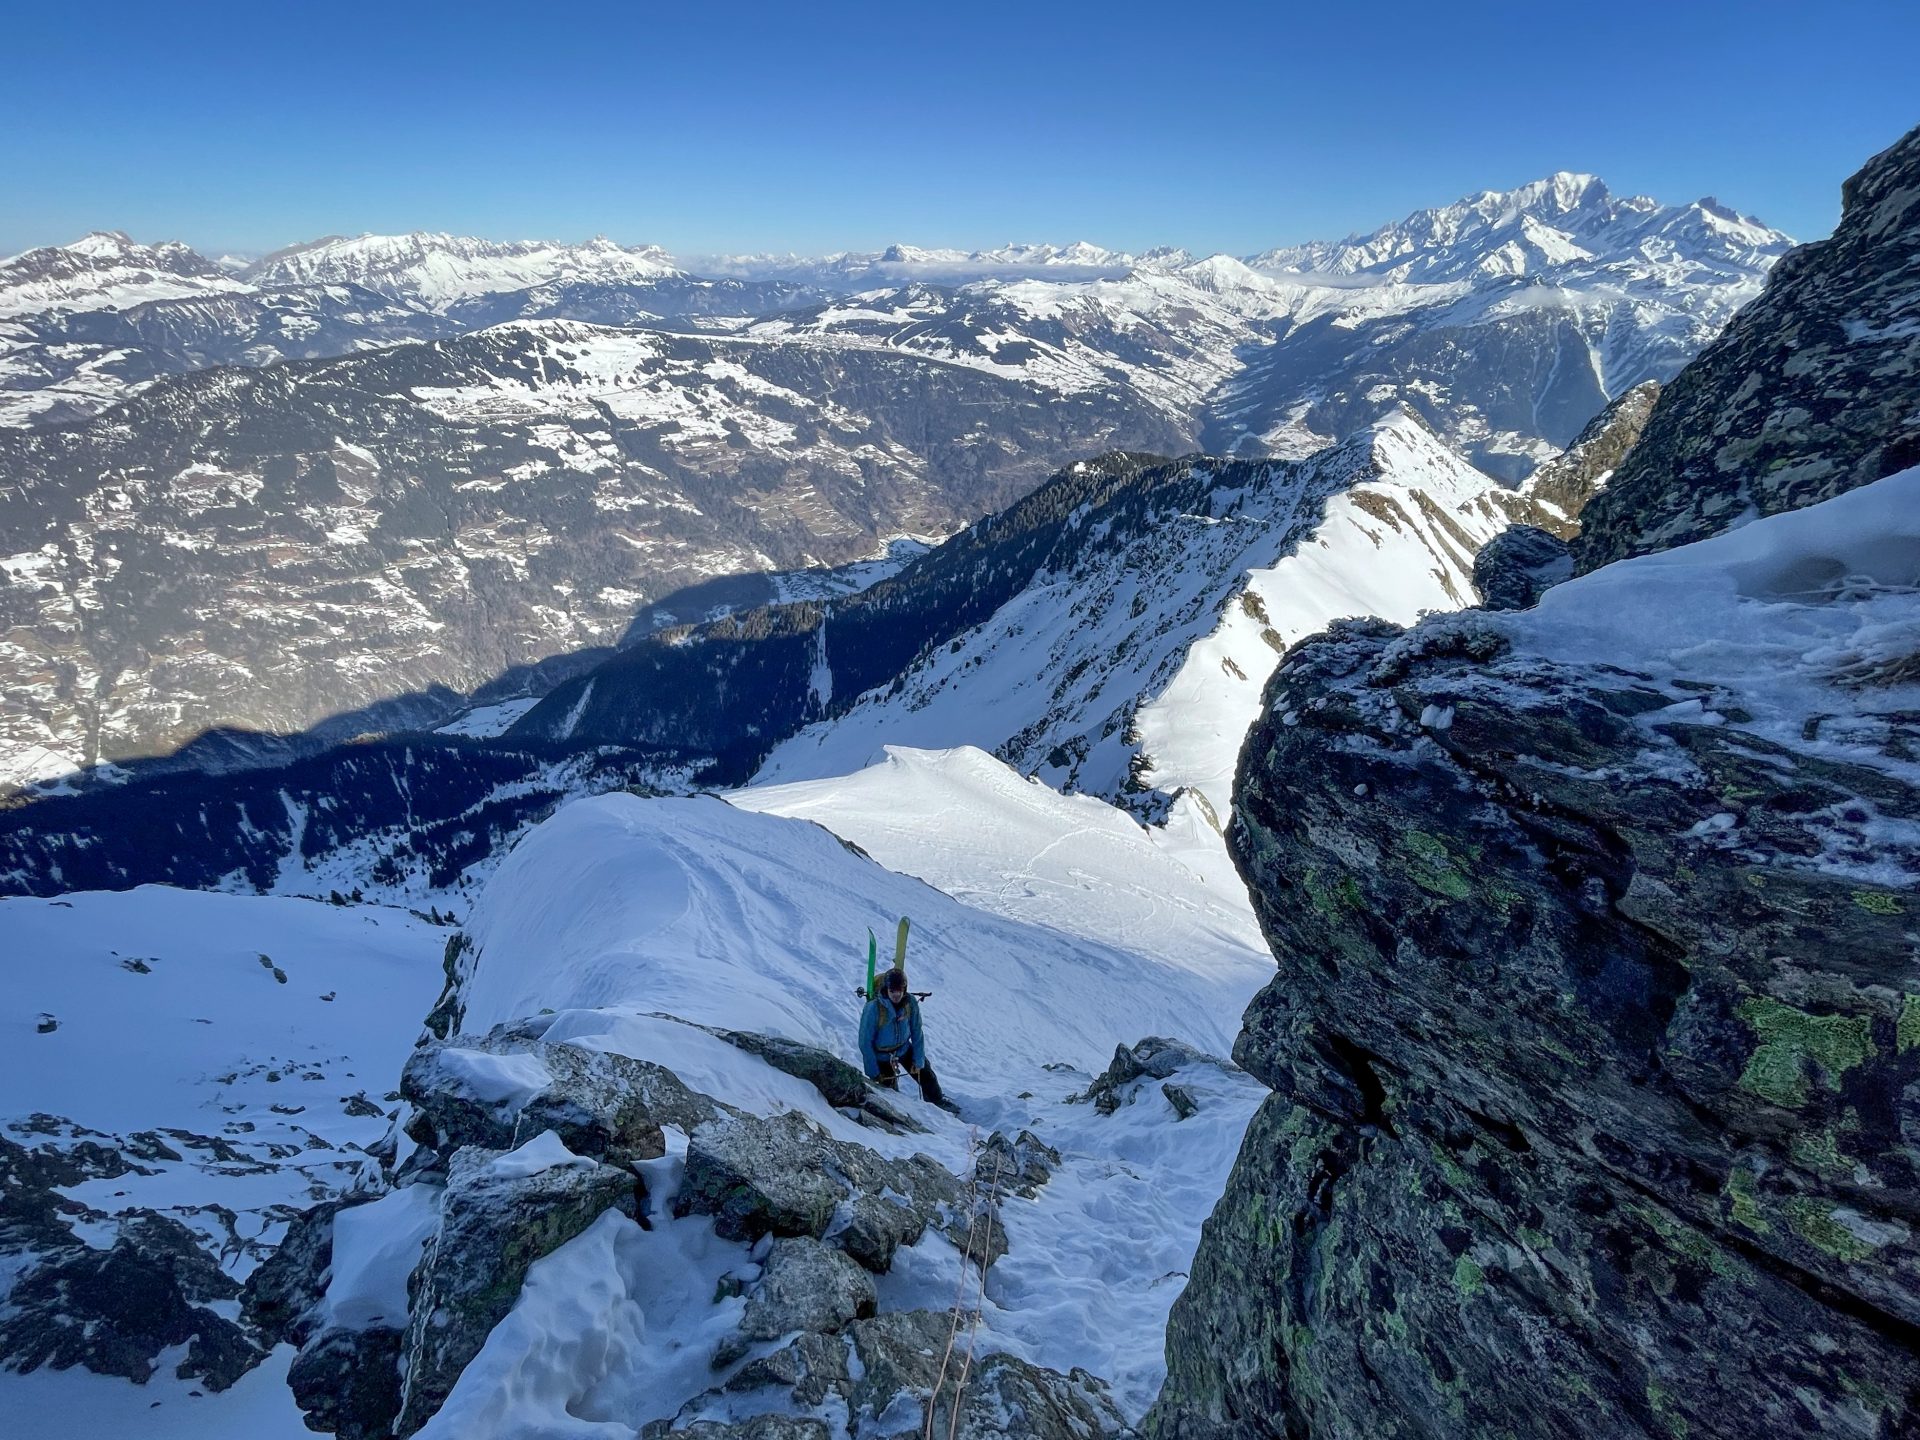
(892, 1033)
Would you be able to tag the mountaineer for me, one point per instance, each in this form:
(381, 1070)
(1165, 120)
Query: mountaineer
(891, 1038)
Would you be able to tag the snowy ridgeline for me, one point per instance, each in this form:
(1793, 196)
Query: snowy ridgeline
(609, 929)
(1141, 660)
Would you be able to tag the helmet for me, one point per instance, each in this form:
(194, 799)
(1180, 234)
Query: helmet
(895, 983)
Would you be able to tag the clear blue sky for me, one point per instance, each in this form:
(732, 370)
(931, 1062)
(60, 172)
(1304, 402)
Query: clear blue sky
(816, 127)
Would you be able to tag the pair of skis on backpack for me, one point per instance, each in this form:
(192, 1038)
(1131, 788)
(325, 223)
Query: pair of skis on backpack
(871, 991)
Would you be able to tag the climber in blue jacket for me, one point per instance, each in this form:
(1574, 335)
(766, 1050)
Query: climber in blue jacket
(891, 1038)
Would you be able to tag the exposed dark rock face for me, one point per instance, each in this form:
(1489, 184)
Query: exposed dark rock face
(284, 1287)
(1582, 1123)
(1566, 483)
(1808, 393)
(113, 1311)
(347, 1382)
(1514, 567)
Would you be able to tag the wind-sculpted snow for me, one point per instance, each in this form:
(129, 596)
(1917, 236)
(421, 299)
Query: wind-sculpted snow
(754, 922)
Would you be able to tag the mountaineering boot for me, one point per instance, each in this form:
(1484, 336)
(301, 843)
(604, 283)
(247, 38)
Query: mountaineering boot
(930, 1090)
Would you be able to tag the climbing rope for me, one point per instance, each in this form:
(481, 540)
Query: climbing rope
(959, 1310)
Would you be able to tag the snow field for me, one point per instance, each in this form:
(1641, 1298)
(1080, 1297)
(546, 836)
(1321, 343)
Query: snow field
(1076, 930)
(168, 1021)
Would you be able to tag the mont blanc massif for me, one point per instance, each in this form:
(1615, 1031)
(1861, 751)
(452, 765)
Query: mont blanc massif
(1392, 766)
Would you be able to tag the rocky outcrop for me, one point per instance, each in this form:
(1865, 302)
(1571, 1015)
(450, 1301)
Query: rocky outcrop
(893, 1374)
(807, 1286)
(1565, 484)
(1585, 1121)
(524, 1142)
(496, 1098)
(839, 1084)
(114, 1311)
(785, 1176)
(1595, 1042)
(1519, 563)
(1154, 1058)
(111, 1310)
(501, 1213)
(1809, 392)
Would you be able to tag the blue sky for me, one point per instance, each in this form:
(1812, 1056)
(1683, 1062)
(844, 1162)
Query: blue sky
(746, 127)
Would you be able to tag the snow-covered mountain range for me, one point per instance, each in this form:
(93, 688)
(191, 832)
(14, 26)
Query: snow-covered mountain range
(445, 458)
(1564, 949)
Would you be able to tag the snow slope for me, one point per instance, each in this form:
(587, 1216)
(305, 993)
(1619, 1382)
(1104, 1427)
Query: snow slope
(752, 921)
(1079, 931)
(979, 831)
(1141, 663)
(1800, 628)
(170, 1022)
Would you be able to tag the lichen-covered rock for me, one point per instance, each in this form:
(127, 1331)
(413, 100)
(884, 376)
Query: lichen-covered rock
(1154, 1058)
(807, 1285)
(1514, 567)
(501, 1212)
(786, 1176)
(1585, 1120)
(1808, 392)
(499, 1090)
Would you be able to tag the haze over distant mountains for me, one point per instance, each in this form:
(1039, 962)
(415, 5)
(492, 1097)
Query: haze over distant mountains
(265, 493)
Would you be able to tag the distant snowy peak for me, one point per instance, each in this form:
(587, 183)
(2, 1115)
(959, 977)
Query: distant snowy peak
(106, 270)
(1563, 219)
(440, 270)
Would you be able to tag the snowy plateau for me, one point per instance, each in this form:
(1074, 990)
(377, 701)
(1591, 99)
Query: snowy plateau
(473, 710)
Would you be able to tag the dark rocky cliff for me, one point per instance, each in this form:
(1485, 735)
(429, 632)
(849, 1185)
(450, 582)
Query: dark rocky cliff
(1809, 392)
(1595, 1042)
